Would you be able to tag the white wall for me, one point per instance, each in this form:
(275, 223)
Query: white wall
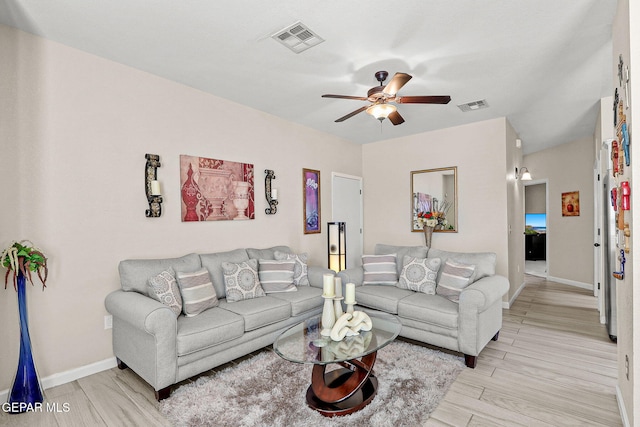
(478, 150)
(568, 167)
(74, 136)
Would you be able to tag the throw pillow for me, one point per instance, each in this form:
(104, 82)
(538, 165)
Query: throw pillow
(198, 293)
(380, 270)
(276, 276)
(241, 280)
(419, 274)
(300, 269)
(164, 288)
(455, 277)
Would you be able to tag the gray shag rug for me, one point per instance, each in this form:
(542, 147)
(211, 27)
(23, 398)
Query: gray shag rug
(267, 390)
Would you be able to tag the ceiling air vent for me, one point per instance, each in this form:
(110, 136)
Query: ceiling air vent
(475, 105)
(297, 37)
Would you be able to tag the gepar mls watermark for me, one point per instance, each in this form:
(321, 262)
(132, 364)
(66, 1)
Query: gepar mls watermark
(18, 407)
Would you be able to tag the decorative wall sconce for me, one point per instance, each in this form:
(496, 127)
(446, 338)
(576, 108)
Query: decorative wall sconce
(523, 175)
(270, 194)
(337, 236)
(152, 186)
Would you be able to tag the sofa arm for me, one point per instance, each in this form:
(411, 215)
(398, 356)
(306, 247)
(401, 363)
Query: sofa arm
(144, 336)
(315, 275)
(484, 292)
(353, 275)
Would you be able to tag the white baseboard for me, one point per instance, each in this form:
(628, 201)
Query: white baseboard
(507, 304)
(71, 375)
(621, 407)
(575, 283)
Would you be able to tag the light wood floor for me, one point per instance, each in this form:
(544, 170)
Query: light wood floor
(552, 366)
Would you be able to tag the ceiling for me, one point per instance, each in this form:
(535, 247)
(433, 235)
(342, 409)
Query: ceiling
(543, 64)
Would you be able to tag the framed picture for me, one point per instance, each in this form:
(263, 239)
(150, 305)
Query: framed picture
(215, 190)
(571, 203)
(311, 200)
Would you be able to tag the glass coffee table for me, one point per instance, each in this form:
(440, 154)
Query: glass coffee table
(352, 385)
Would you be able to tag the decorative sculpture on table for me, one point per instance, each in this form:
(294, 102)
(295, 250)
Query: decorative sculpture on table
(350, 325)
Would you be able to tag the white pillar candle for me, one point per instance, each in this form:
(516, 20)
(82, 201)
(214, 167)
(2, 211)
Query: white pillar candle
(328, 286)
(274, 194)
(155, 188)
(350, 293)
(338, 286)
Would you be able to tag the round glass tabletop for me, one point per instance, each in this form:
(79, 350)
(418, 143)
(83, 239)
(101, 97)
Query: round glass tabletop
(303, 343)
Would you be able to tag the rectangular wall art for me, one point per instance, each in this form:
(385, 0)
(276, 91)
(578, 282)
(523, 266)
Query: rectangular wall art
(215, 190)
(311, 200)
(571, 203)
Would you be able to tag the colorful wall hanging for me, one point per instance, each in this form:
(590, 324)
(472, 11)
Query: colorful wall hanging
(571, 203)
(216, 190)
(311, 200)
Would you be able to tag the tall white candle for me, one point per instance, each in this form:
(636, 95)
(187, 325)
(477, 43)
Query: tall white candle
(328, 286)
(350, 293)
(338, 286)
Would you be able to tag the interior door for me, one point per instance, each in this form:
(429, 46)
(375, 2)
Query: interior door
(346, 202)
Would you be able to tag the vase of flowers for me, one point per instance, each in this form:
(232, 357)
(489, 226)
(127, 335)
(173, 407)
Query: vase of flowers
(23, 260)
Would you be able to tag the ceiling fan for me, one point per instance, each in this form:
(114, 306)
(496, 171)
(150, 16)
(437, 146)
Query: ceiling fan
(381, 98)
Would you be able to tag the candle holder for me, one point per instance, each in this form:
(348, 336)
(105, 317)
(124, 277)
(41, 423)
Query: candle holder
(150, 176)
(268, 193)
(337, 306)
(328, 316)
(350, 306)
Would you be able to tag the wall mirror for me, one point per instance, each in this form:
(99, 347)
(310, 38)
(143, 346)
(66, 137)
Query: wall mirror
(434, 196)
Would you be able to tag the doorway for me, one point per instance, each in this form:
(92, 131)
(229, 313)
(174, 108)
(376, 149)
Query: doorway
(346, 204)
(536, 228)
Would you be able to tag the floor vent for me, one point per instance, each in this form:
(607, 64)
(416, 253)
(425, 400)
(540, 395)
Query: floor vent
(475, 105)
(297, 37)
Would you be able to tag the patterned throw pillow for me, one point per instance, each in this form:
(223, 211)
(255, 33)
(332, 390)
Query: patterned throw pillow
(164, 288)
(276, 276)
(380, 270)
(419, 274)
(300, 277)
(241, 280)
(198, 293)
(455, 277)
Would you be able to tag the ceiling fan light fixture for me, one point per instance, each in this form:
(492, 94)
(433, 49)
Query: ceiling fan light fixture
(381, 111)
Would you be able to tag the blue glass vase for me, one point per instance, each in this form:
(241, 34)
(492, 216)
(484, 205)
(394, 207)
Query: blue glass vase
(26, 390)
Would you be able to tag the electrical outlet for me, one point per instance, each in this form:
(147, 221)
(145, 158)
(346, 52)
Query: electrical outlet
(108, 321)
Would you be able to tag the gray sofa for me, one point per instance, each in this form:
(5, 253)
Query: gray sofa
(164, 349)
(464, 327)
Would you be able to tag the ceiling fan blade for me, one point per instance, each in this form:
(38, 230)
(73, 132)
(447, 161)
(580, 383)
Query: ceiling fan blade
(423, 99)
(351, 114)
(395, 118)
(358, 98)
(396, 83)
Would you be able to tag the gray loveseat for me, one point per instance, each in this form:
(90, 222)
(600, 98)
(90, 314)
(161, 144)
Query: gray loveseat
(465, 326)
(165, 349)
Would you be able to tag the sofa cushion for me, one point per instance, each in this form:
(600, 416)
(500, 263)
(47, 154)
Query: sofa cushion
(276, 276)
(267, 253)
(213, 263)
(455, 277)
(300, 275)
(430, 310)
(485, 262)
(380, 269)
(307, 298)
(401, 251)
(197, 291)
(134, 273)
(259, 312)
(209, 328)
(419, 274)
(381, 297)
(241, 280)
(164, 288)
